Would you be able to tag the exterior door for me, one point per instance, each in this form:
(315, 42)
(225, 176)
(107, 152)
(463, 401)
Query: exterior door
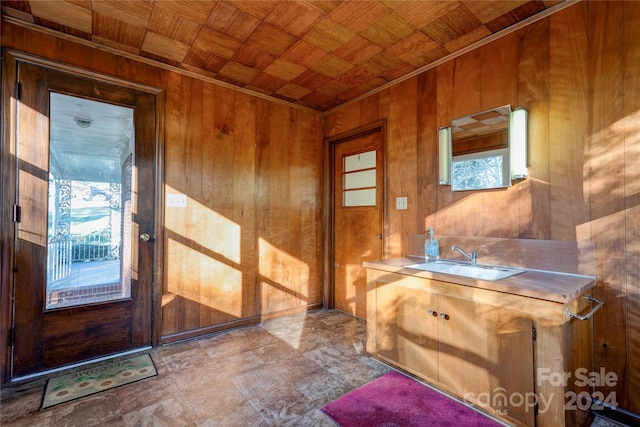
(83, 221)
(358, 216)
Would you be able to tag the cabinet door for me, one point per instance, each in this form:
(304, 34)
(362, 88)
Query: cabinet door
(405, 331)
(486, 355)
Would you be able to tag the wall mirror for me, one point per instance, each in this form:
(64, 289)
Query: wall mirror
(477, 151)
(480, 150)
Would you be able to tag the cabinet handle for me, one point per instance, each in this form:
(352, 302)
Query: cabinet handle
(444, 316)
(433, 313)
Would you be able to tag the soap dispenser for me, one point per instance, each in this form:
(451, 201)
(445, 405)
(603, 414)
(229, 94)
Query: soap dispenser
(431, 247)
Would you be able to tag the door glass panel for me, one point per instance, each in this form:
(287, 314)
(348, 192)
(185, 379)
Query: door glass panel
(360, 161)
(359, 179)
(360, 198)
(90, 190)
(362, 179)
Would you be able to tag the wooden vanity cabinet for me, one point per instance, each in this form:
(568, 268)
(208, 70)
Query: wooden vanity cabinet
(406, 325)
(476, 344)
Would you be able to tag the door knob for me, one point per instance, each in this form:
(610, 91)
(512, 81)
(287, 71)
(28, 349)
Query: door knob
(379, 236)
(145, 237)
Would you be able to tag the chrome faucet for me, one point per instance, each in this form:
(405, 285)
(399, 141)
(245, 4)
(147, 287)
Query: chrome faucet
(473, 257)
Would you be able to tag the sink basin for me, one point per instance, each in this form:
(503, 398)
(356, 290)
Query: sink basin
(478, 271)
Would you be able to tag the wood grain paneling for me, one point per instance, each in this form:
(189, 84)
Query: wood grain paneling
(631, 84)
(470, 79)
(576, 72)
(568, 126)
(605, 164)
(401, 164)
(571, 72)
(533, 95)
(252, 173)
(427, 180)
(249, 243)
(287, 173)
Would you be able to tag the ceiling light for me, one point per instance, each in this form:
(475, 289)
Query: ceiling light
(83, 122)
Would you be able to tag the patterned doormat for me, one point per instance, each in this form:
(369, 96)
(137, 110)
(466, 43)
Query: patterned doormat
(96, 379)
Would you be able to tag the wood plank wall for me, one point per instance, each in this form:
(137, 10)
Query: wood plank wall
(259, 183)
(577, 73)
(249, 242)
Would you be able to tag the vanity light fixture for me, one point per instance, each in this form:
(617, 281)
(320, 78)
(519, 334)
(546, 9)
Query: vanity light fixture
(444, 155)
(518, 143)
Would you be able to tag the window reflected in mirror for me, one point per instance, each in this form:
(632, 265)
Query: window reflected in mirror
(488, 169)
(480, 150)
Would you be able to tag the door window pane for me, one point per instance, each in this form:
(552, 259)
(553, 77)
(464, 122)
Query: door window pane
(359, 180)
(360, 198)
(360, 161)
(90, 178)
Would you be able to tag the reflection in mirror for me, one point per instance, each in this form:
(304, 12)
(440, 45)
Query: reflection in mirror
(486, 169)
(480, 150)
(483, 131)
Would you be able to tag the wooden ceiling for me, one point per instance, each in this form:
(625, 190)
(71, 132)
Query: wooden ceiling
(314, 53)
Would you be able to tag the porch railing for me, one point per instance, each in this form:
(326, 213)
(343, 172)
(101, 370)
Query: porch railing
(65, 250)
(93, 247)
(59, 258)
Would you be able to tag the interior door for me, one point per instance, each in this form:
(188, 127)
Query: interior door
(84, 219)
(358, 216)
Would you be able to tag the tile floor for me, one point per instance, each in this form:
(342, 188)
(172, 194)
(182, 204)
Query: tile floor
(278, 373)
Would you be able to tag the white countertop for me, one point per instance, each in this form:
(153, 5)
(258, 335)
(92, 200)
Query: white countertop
(545, 285)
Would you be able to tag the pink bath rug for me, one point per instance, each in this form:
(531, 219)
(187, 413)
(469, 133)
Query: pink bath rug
(397, 400)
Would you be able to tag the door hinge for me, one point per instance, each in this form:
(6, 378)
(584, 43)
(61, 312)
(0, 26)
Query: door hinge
(17, 213)
(11, 336)
(18, 90)
(534, 333)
